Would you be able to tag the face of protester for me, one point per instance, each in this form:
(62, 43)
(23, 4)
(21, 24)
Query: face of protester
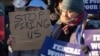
(34, 9)
(67, 16)
(19, 3)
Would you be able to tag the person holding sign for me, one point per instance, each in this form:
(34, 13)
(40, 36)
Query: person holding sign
(72, 22)
(17, 5)
(34, 5)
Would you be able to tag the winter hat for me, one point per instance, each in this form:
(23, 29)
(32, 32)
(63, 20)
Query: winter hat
(73, 5)
(37, 3)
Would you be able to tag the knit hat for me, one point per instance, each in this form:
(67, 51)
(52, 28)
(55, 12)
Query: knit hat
(37, 3)
(73, 5)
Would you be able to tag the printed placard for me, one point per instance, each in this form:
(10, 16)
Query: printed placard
(92, 40)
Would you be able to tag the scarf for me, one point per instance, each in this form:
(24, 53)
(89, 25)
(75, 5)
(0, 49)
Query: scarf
(73, 23)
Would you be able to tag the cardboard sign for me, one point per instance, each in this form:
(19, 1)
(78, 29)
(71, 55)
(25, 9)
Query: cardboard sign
(29, 29)
(2, 28)
(53, 47)
(92, 39)
(92, 6)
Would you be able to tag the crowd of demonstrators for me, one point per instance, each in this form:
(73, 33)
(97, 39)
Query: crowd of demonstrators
(29, 5)
(68, 19)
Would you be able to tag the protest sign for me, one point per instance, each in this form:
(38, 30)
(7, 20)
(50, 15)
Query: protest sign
(2, 28)
(29, 29)
(92, 39)
(54, 47)
(92, 6)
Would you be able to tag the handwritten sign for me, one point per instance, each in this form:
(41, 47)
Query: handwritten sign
(92, 39)
(53, 47)
(92, 6)
(29, 29)
(2, 28)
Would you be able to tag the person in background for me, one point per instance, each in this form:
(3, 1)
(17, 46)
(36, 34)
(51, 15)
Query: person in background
(3, 38)
(93, 21)
(16, 4)
(71, 24)
(20, 5)
(34, 5)
(54, 6)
